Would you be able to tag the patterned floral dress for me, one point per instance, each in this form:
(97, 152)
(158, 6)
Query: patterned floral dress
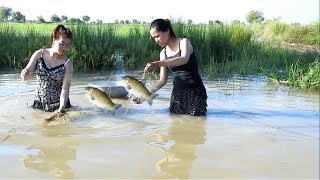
(49, 86)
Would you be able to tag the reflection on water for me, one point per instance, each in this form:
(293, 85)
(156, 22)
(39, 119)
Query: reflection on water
(52, 158)
(183, 138)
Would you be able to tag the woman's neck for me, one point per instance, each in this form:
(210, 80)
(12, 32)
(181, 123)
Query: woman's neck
(172, 44)
(55, 55)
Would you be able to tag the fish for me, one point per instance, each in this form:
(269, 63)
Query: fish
(100, 99)
(138, 88)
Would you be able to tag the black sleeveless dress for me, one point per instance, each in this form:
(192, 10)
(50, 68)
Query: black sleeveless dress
(189, 95)
(49, 86)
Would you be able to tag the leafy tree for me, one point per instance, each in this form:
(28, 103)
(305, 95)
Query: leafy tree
(210, 22)
(189, 21)
(64, 18)
(5, 13)
(86, 18)
(116, 22)
(18, 17)
(75, 20)
(99, 21)
(255, 16)
(40, 19)
(55, 18)
(218, 22)
(134, 21)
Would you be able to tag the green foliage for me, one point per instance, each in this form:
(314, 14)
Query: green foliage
(18, 17)
(86, 18)
(55, 18)
(255, 16)
(304, 34)
(5, 13)
(220, 48)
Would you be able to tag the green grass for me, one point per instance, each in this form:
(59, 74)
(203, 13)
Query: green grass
(220, 49)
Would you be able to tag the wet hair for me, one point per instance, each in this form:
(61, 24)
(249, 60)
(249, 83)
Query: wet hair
(163, 25)
(59, 31)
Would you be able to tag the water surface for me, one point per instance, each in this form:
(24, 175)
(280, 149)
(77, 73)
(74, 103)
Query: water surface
(252, 130)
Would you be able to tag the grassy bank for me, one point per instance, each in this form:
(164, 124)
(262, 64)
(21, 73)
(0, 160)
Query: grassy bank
(221, 49)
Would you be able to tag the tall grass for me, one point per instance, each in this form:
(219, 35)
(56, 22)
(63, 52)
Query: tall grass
(16, 46)
(278, 32)
(220, 49)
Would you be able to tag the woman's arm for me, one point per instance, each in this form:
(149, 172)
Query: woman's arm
(66, 85)
(163, 75)
(186, 49)
(26, 72)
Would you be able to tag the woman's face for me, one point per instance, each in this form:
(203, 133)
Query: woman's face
(160, 37)
(61, 45)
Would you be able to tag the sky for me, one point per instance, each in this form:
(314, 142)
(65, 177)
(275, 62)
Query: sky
(199, 11)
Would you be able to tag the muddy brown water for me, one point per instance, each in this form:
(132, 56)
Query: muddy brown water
(252, 130)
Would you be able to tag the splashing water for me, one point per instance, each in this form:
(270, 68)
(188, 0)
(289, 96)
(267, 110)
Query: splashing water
(119, 62)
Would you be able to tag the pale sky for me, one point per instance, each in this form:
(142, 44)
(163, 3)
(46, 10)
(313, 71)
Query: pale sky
(200, 11)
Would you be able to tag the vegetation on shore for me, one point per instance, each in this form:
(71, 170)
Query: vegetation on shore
(221, 49)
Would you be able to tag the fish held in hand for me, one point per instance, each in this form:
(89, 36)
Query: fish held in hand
(100, 99)
(138, 88)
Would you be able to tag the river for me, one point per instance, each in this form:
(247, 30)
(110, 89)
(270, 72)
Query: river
(252, 130)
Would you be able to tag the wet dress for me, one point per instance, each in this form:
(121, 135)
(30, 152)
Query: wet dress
(189, 95)
(49, 86)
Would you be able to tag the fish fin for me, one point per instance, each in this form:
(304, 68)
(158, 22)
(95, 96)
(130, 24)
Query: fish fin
(114, 109)
(143, 81)
(91, 97)
(150, 98)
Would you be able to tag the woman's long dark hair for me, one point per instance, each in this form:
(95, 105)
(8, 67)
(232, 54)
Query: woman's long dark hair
(163, 25)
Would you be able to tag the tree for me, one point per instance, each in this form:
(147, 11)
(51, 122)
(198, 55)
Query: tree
(64, 18)
(218, 22)
(75, 20)
(189, 21)
(99, 21)
(255, 16)
(135, 21)
(40, 19)
(86, 18)
(5, 13)
(55, 18)
(18, 17)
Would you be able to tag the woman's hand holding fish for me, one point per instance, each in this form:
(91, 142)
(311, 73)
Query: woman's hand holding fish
(137, 100)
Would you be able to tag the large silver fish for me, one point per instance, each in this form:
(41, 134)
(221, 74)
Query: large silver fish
(100, 99)
(138, 89)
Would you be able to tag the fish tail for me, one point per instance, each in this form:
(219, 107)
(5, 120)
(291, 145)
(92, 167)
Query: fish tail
(150, 99)
(115, 107)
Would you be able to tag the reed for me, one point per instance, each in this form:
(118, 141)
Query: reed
(220, 49)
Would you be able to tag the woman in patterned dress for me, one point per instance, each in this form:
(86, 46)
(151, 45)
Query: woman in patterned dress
(189, 95)
(54, 72)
